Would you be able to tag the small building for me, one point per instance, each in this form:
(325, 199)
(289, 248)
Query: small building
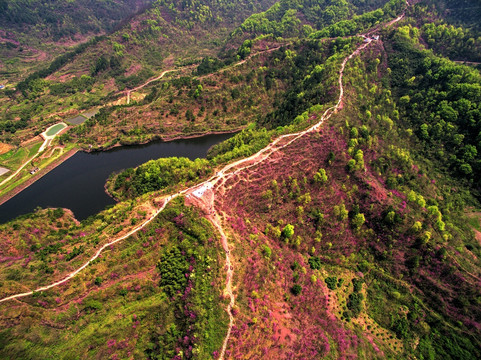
(34, 170)
(2, 86)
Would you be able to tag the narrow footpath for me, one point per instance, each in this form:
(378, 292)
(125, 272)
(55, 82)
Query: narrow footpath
(204, 195)
(147, 83)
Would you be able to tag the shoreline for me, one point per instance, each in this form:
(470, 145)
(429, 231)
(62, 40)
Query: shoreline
(192, 136)
(106, 190)
(163, 139)
(15, 191)
(68, 155)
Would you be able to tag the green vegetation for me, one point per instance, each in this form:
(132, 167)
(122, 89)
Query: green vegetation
(15, 157)
(158, 174)
(296, 289)
(379, 204)
(288, 231)
(36, 33)
(245, 143)
(64, 19)
(439, 101)
(139, 308)
(33, 85)
(80, 77)
(311, 69)
(267, 252)
(315, 262)
(331, 282)
(299, 17)
(360, 23)
(55, 129)
(475, 222)
(456, 43)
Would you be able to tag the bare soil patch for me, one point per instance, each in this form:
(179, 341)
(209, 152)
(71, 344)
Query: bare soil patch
(4, 148)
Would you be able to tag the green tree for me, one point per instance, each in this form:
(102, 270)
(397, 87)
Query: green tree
(341, 212)
(101, 64)
(198, 91)
(351, 165)
(354, 132)
(314, 262)
(331, 282)
(359, 157)
(417, 226)
(267, 252)
(321, 176)
(358, 220)
(189, 115)
(296, 289)
(288, 231)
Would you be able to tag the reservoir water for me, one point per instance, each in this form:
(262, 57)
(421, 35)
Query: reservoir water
(78, 183)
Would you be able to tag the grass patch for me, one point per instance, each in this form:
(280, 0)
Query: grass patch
(55, 129)
(474, 222)
(16, 157)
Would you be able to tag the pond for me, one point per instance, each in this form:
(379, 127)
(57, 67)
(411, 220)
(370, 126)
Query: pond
(78, 183)
(51, 131)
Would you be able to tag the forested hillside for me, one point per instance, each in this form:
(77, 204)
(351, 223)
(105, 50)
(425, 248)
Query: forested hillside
(462, 12)
(57, 20)
(33, 33)
(301, 17)
(440, 102)
(164, 36)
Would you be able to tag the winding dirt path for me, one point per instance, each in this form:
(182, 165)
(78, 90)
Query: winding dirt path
(148, 82)
(97, 254)
(232, 66)
(206, 189)
(128, 92)
(229, 275)
(204, 193)
(255, 159)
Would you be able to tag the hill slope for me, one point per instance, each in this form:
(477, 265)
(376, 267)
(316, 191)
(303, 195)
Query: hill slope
(343, 223)
(32, 33)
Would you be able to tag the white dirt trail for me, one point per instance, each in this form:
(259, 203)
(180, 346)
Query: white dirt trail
(128, 92)
(97, 254)
(229, 275)
(147, 83)
(208, 186)
(251, 161)
(221, 176)
(260, 156)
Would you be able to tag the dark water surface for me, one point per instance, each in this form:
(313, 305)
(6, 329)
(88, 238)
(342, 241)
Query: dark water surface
(78, 183)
